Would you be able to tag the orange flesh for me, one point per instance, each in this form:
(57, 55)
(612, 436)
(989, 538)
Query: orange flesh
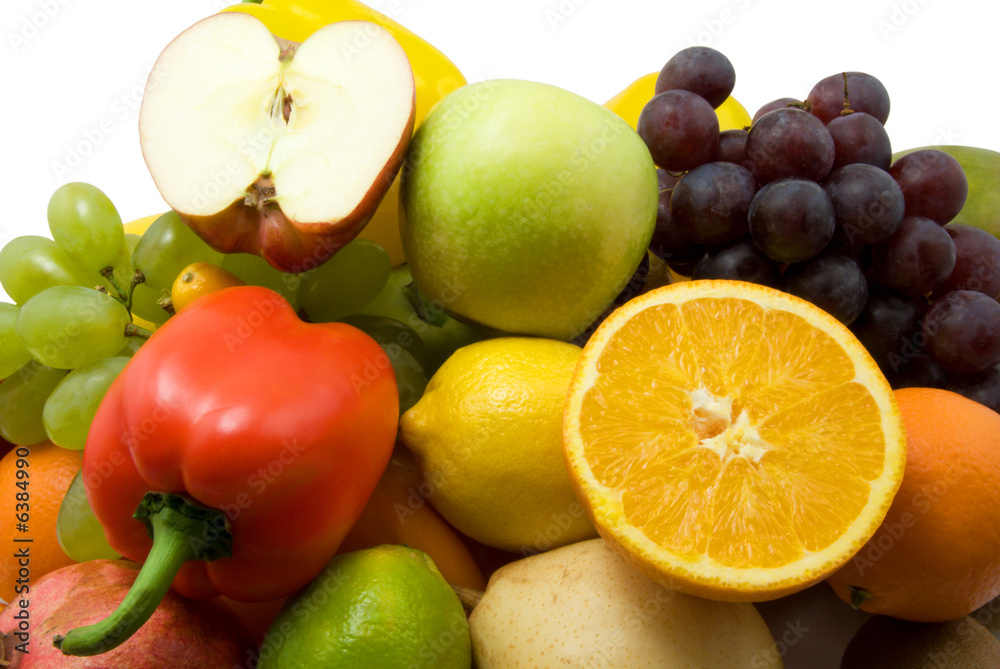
(739, 454)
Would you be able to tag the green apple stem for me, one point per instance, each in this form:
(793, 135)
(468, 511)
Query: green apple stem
(428, 313)
(181, 530)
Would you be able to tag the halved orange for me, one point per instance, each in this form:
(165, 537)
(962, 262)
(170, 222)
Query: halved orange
(732, 441)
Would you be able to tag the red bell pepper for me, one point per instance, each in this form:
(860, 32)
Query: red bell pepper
(276, 429)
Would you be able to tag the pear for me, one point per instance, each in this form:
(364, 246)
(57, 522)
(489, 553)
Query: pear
(582, 605)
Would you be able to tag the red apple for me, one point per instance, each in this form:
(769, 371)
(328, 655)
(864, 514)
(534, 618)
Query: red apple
(276, 148)
(181, 633)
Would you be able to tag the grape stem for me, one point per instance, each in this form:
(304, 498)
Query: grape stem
(182, 530)
(109, 274)
(167, 305)
(137, 278)
(846, 111)
(133, 330)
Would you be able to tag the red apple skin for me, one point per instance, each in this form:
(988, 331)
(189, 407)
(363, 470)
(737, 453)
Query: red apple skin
(289, 245)
(181, 634)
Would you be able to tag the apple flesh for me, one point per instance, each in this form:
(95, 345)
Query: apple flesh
(275, 148)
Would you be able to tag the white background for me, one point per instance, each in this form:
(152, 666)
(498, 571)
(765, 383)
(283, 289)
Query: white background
(73, 70)
(72, 74)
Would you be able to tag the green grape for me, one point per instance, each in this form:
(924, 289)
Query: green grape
(84, 223)
(13, 354)
(79, 532)
(167, 247)
(397, 301)
(70, 409)
(70, 326)
(145, 304)
(131, 346)
(256, 271)
(30, 264)
(391, 332)
(22, 397)
(411, 379)
(145, 300)
(406, 351)
(345, 283)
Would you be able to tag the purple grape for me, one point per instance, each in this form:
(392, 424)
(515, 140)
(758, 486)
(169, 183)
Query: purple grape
(732, 147)
(739, 261)
(889, 329)
(868, 202)
(789, 142)
(977, 261)
(916, 258)
(780, 103)
(700, 70)
(864, 92)
(963, 331)
(791, 220)
(862, 253)
(680, 129)
(934, 184)
(860, 138)
(920, 371)
(832, 281)
(668, 243)
(983, 387)
(710, 203)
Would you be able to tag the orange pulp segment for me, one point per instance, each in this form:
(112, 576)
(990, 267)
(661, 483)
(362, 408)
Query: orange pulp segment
(731, 440)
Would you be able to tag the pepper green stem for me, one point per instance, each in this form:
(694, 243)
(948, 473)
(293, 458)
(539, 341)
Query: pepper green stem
(252, 2)
(181, 530)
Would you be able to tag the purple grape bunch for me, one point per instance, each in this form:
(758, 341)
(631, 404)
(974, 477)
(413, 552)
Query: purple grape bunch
(807, 199)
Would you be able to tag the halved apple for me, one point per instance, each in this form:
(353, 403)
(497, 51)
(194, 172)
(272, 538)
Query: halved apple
(275, 148)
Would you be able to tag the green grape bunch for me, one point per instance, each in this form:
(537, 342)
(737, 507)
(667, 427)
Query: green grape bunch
(72, 311)
(70, 331)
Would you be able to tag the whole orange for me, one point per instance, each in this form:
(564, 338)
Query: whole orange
(936, 556)
(48, 471)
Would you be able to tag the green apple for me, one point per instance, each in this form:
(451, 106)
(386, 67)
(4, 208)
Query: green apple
(525, 208)
(440, 334)
(982, 169)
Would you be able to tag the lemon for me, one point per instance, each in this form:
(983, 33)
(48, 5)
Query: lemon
(487, 435)
(386, 607)
(140, 225)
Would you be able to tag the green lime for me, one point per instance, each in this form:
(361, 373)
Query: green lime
(378, 608)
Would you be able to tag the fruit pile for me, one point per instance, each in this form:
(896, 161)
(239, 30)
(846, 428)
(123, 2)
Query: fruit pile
(810, 199)
(485, 418)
